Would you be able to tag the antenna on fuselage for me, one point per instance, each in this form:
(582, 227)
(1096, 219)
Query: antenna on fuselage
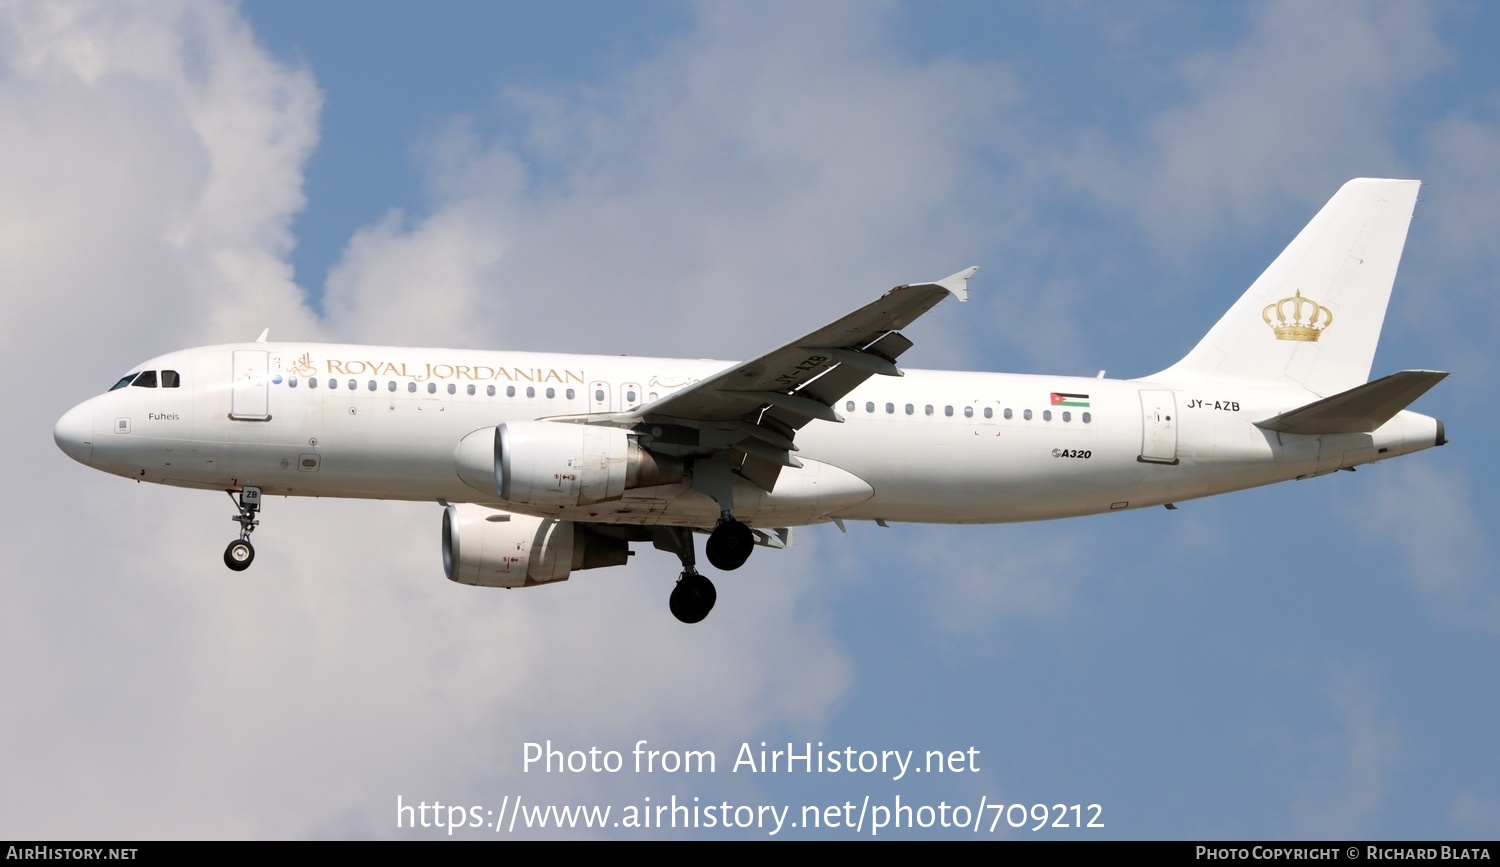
(263, 336)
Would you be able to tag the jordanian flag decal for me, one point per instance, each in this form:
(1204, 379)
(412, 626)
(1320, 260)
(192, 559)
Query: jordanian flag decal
(1062, 399)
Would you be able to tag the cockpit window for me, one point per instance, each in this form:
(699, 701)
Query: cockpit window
(170, 379)
(147, 379)
(124, 381)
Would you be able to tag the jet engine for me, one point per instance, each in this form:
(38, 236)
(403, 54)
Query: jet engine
(490, 548)
(547, 464)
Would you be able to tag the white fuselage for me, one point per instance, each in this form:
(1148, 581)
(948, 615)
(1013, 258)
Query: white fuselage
(931, 446)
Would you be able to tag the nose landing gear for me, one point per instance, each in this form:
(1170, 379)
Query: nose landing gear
(240, 553)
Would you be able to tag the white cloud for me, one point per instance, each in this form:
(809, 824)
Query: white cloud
(1476, 815)
(1301, 104)
(151, 164)
(1350, 767)
(699, 199)
(1430, 516)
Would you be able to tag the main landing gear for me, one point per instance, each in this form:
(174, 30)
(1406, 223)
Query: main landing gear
(240, 554)
(730, 544)
(693, 597)
(728, 548)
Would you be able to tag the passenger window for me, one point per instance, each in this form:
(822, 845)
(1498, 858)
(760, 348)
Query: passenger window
(849, 406)
(1026, 415)
(910, 410)
(471, 389)
(530, 392)
(147, 379)
(928, 409)
(629, 396)
(599, 395)
(374, 385)
(391, 386)
(333, 383)
(124, 381)
(968, 412)
(452, 389)
(1067, 416)
(291, 382)
(989, 412)
(551, 393)
(1046, 415)
(1087, 418)
(170, 379)
(510, 391)
(312, 382)
(948, 411)
(354, 386)
(570, 394)
(1007, 414)
(411, 387)
(651, 396)
(432, 388)
(869, 406)
(489, 390)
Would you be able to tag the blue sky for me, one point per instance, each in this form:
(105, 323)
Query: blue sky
(1310, 660)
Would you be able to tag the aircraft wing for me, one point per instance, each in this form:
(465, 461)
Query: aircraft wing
(757, 406)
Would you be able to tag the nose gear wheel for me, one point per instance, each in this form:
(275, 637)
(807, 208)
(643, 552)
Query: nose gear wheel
(240, 553)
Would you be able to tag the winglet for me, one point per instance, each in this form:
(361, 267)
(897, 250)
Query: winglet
(956, 285)
(263, 336)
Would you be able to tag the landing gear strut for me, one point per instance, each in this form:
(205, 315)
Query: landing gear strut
(730, 543)
(693, 596)
(240, 554)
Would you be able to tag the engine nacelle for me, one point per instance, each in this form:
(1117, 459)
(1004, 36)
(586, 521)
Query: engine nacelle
(544, 463)
(490, 548)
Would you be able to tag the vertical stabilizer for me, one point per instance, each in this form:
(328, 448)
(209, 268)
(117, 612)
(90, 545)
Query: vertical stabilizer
(1313, 318)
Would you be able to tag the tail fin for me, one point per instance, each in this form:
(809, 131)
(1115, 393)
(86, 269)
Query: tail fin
(1313, 318)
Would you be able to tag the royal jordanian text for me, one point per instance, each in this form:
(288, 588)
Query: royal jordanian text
(796, 758)
(424, 372)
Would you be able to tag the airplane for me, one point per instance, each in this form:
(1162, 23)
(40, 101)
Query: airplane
(546, 464)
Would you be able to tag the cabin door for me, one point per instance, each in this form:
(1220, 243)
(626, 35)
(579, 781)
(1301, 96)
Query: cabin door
(1159, 426)
(250, 395)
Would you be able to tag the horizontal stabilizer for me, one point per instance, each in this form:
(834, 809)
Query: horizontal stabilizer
(1361, 409)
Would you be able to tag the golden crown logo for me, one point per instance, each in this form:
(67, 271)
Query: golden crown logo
(1308, 318)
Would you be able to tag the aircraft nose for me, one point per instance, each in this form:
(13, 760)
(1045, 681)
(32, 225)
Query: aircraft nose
(74, 433)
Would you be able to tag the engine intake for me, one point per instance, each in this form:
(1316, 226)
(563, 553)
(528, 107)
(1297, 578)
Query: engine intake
(490, 548)
(544, 463)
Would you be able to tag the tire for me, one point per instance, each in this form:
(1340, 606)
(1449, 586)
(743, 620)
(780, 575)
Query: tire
(239, 555)
(729, 546)
(692, 598)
